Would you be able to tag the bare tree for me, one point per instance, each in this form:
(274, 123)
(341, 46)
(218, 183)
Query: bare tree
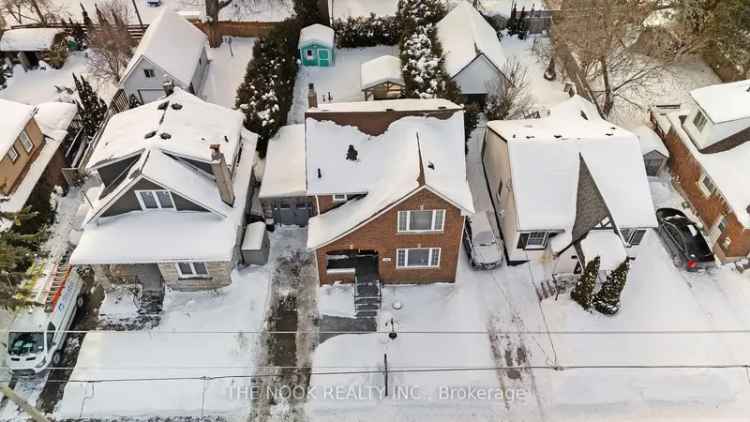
(110, 45)
(213, 7)
(510, 99)
(603, 36)
(36, 11)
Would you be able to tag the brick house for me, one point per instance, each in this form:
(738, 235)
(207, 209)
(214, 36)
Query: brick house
(388, 180)
(176, 182)
(30, 140)
(710, 153)
(567, 188)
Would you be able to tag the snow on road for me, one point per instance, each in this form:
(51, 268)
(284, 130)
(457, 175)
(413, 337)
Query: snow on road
(164, 352)
(341, 81)
(227, 70)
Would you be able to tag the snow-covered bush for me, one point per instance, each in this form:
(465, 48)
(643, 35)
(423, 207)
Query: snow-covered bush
(414, 13)
(265, 96)
(583, 292)
(607, 300)
(366, 31)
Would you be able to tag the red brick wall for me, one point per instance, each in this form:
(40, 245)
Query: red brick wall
(688, 171)
(380, 235)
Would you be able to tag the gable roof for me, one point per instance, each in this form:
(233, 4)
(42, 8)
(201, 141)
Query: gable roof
(173, 44)
(381, 69)
(284, 173)
(191, 123)
(15, 116)
(545, 156)
(724, 102)
(464, 34)
(316, 34)
(54, 118)
(650, 141)
(389, 167)
(28, 39)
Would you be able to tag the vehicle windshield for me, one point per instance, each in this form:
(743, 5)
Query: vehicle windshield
(484, 238)
(24, 343)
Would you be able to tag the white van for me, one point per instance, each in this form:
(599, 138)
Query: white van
(37, 334)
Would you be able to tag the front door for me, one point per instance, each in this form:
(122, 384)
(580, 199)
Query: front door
(324, 58)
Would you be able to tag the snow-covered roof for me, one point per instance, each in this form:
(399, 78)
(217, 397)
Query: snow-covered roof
(407, 104)
(724, 102)
(464, 34)
(167, 235)
(342, 9)
(316, 34)
(650, 141)
(173, 44)
(284, 173)
(28, 39)
(54, 118)
(605, 244)
(545, 158)
(254, 234)
(387, 168)
(192, 126)
(727, 170)
(380, 70)
(15, 116)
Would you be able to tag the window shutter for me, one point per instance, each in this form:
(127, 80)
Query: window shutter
(439, 220)
(435, 257)
(403, 217)
(522, 241)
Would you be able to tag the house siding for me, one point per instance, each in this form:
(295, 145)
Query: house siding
(687, 171)
(129, 202)
(381, 235)
(479, 77)
(201, 70)
(108, 173)
(11, 173)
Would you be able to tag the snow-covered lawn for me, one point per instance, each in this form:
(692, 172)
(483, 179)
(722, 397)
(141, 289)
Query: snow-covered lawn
(226, 70)
(214, 348)
(38, 86)
(545, 93)
(342, 80)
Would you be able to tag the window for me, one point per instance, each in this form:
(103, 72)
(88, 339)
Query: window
(340, 198)
(13, 154)
(533, 240)
(421, 221)
(191, 269)
(500, 190)
(722, 224)
(418, 258)
(633, 237)
(699, 120)
(149, 73)
(155, 199)
(26, 141)
(706, 185)
(309, 53)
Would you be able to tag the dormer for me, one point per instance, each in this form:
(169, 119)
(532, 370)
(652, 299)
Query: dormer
(721, 120)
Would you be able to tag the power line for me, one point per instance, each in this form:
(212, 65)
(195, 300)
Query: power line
(416, 332)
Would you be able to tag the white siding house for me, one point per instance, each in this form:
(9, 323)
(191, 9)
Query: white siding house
(171, 49)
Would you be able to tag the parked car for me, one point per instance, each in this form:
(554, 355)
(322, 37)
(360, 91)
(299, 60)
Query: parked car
(37, 335)
(480, 243)
(684, 240)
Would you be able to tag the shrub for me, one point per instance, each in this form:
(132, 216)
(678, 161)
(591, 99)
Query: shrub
(415, 13)
(366, 31)
(57, 55)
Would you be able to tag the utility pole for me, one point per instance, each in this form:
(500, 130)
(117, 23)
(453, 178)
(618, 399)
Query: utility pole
(35, 414)
(138, 14)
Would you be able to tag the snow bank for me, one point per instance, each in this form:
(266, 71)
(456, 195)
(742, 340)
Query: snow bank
(54, 119)
(15, 117)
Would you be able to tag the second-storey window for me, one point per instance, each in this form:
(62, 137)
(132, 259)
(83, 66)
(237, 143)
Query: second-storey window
(191, 269)
(706, 185)
(699, 120)
(421, 221)
(418, 258)
(155, 199)
(13, 154)
(149, 73)
(26, 142)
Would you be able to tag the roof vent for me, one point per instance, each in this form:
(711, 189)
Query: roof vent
(530, 137)
(557, 136)
(431, 165)
(609, 134)
(583, 114)
(320, 174)
(441, 107)
(388, 109)
(176, 106)
(163, 106)
(149, 134)
(226, 139)
(351, 153)
(165, 135)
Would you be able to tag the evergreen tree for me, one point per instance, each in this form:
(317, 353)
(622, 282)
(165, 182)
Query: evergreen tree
(523, 24)
(307, 12)
(91, 108)
(607, 300)
(79, 35)
(583, 292)
(512, 24)
(3, 70)
(17, 252)
(87, 22)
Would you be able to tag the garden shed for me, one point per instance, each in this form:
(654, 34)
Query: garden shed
(28, 46)
(382, 78)
(255, 245)
(316, 46)
(655, 154)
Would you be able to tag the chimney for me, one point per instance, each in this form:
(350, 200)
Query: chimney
(312, 97)
(168, 86)
(221, 173)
